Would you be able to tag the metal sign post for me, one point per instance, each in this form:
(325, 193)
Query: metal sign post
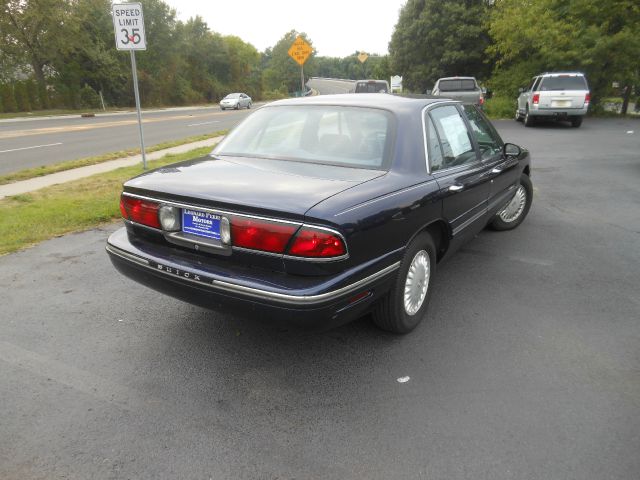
(137, 95)
(128, 26)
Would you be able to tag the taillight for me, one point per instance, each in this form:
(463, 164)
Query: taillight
(587, 97)
(140, 211)
(536, 98)
(315, 243)
(261, 234)
(481, 102)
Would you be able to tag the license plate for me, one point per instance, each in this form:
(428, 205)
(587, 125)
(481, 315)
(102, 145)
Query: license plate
(560, 103)
(202, 224)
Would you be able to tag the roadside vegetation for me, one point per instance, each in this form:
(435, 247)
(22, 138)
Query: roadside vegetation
(53, 211)
(83, 162)
(60, 54)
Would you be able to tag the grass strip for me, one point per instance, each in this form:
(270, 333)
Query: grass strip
(83, 162)
(31, 218)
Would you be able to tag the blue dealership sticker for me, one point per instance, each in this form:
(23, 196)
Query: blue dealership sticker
(203, 224)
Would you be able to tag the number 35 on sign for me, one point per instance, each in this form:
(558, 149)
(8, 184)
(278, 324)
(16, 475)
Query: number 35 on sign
(128, 25)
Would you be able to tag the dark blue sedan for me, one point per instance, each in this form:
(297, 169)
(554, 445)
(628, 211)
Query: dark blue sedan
(318, 210)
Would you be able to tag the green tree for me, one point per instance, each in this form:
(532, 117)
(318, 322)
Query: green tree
(438, 38)
(598, 37)
(33, 32)
(244, 66)
(8, 98)
(22, 97)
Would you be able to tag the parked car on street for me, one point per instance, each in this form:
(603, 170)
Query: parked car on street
(371, 86)
(236, 101)
(554, 96)
(465, 89)
(320, 209)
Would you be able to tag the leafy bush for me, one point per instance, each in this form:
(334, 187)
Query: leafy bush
(88, 97)
(275, 94)
(500, 107)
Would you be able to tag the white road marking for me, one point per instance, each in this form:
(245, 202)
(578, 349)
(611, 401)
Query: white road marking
(29, 148)
(403, 379)
(203, 123)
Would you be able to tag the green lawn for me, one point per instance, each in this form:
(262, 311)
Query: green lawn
(31, 218)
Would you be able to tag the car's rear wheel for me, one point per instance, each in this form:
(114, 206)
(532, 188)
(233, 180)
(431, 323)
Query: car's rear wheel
(515, 211)
(248, 105)
(405, 306)
(528, 119)
(576, 121)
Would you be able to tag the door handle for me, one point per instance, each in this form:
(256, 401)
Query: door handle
(496, 170)
(455, 188)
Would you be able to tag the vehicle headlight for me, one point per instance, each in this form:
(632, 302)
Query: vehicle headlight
(169, 218)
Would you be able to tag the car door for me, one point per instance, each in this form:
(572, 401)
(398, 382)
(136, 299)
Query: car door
(523, 98)
(462, 178)
(503, 170)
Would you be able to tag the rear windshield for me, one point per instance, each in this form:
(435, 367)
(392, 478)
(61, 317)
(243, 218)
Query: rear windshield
(457, 85)
(371, 87)
(329, 135)
(564, 82)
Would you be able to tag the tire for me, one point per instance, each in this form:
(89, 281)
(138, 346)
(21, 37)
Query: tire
(222, 108)
(515, 211)
(248, 105)
(518, 117)
(395, 314)
(576, 121)
(528, 119)
(238, 106)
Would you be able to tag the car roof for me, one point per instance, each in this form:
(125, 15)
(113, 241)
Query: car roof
(394, 103)
(553, 74)
(457, 78)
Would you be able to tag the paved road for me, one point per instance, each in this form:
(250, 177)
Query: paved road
(38, 142)
(329, 86)
(528, 367)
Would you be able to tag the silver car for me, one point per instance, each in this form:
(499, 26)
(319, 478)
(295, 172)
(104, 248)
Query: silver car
(559, 96)
(465, 89)
(236, 101)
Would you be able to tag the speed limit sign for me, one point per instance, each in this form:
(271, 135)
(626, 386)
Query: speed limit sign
(128, 25)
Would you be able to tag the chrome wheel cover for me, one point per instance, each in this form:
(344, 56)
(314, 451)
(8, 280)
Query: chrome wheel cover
(417, 282)
(512, 211)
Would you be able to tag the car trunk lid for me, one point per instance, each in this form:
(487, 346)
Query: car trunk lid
(249, 185)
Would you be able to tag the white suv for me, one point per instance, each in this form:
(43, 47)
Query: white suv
(560, 96)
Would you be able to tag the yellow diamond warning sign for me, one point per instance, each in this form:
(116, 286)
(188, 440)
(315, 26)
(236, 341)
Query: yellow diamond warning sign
(300, 50)
(363, 57)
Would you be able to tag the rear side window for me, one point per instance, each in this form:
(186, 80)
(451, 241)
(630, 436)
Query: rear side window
(564, 82)
(453, 135)
(435, 152)
(457, 85)
(488, 140)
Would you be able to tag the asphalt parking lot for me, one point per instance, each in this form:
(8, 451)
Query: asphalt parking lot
(528, 368)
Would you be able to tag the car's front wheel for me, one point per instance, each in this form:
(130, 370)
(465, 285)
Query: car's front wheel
(518, 117)
(248, 105)
(404, 307)
(515, 211)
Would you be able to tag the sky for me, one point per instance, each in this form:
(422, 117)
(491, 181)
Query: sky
(336, 28)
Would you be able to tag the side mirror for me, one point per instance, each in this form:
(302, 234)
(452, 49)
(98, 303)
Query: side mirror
(511, 150)
(521, 89)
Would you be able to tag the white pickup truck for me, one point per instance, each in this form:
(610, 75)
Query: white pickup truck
(465, 89)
